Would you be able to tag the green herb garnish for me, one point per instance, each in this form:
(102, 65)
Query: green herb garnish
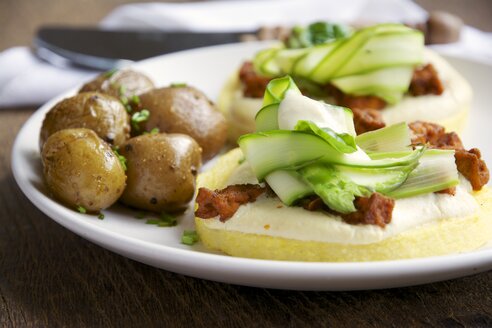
(189, 237)
(139, 117)
(165, 220)
(153, 131)
(81, 209)
(100, 216)
(316, 33)
(110, 72)
(122, 90)
(178, 85)
(153, 221)
(135, 99)
(121, 158)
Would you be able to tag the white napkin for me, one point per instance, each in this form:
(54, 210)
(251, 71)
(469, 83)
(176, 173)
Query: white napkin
(26, 80)
(222, 16)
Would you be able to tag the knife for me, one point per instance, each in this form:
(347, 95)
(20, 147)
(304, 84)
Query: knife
(107, 49)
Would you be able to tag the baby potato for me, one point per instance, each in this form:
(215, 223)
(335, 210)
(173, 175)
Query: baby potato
(161, 171)
(81, 170)
(121, 84)
(102, 113)
(185, 110)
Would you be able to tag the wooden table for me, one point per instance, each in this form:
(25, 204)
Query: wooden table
(51, 277)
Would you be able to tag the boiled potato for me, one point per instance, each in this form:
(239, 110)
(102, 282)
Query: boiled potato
(122, 84)
(185, 110)
(161, 171)
(102, 113)
(81, 170)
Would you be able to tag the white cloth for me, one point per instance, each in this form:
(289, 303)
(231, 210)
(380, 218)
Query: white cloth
(222, 16)
(24, 79)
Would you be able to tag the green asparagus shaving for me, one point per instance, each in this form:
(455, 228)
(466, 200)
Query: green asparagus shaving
(436, 171)
(266, 118)
(377, 60)
(280, 149)
(288, 186)
(342, 142)
(178, 85)
(139, 117)
(391, 138)
(190, 237)
(277, 89)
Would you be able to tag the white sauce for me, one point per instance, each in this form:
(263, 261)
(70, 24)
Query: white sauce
(456, 96)
(268, 216)
(295, 107)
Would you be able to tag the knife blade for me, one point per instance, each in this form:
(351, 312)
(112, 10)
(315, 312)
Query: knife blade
(107, 49)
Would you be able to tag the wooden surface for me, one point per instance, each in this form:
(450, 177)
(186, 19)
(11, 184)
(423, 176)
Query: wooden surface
(50, 277)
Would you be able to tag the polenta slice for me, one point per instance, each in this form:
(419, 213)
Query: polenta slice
(445, 236)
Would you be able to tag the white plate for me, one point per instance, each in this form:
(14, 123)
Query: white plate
(121, 232)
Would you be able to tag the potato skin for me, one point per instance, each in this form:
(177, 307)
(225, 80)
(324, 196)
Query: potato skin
(186, 110)
(120, 83)
(161, 170)
(80, 169)
(102, 113)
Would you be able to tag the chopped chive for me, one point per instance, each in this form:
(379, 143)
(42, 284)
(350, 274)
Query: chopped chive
(168, 219)
(110, 72)
(100, 216)
(135, 99)
(81, 209)
(121, 158)
(166, 224)
(122, 90)
(165, 220)
(178, 85)
(153, 131)
(189, 237)
(124, 100)
(138, 117)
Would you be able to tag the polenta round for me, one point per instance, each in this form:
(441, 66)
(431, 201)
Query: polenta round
(444, 236)
(450, 109)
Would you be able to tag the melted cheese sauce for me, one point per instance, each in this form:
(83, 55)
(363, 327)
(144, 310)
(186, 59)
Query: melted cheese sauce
(268, 216)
